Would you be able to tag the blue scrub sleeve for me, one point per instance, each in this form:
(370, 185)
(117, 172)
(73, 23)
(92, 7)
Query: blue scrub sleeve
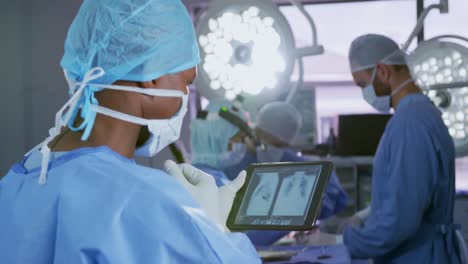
(153, 230)
(401, 196)
(334, 199)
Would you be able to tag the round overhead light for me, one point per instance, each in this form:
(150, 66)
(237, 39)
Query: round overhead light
(440, 61)
(247, 47)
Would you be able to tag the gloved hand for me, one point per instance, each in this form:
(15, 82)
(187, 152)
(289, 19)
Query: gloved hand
(216, 202)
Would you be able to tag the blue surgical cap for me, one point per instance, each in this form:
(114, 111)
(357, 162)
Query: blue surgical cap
(134, 40)
(368, 50)
(281, 120)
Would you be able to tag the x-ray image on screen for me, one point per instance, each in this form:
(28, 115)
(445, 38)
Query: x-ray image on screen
(293, 197)
(263, 195)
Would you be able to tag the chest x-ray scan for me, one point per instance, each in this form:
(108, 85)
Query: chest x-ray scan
(288, 194)
(263, 195)
(294, 194)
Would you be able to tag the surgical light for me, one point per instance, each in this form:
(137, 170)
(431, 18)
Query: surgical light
(440, 67)
(247, 47)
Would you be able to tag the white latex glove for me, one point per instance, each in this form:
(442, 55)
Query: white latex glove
(216, 202)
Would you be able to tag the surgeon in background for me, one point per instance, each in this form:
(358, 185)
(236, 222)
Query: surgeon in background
(221, 149)
(79, 197)
(413, 181)
(277, 125)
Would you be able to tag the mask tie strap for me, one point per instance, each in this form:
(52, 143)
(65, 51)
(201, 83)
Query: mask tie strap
(71, 104)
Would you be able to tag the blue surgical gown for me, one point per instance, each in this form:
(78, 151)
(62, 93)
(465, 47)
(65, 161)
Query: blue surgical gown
(333, 201)
(413, 190)
(99, 207)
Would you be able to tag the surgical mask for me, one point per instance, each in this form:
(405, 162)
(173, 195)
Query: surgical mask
(163, 131)
(380, 103)
(270, 154)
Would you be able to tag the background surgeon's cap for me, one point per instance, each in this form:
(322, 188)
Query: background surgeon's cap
(281, 120)
(134, 40)
(369, 50)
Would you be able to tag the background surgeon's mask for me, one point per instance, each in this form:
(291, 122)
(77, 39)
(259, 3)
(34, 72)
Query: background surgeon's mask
(270, 154)
(381, 103)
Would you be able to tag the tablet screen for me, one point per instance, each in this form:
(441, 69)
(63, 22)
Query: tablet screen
(279, 196)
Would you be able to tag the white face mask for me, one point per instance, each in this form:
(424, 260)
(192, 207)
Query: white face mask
(162, 131)
(270, 154)
(380, 103)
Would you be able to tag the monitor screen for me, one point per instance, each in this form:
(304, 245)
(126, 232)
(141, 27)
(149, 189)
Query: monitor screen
(279, 196)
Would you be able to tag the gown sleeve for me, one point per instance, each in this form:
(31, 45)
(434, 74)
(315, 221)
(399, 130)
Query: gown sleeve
(155, 228)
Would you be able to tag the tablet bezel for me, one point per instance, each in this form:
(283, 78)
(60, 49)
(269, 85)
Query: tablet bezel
(315, 205)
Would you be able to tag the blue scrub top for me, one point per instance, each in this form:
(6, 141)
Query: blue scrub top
(413, 191)
(100, 207)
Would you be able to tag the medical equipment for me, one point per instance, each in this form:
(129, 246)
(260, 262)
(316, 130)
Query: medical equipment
(235, 120)
(247, 48)
(359, 134)
(440, 67)
(280, 196)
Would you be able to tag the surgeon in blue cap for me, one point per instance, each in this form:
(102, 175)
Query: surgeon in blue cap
(413, 180)
(79, 196)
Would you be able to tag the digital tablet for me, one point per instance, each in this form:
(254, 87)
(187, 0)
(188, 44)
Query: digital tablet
(280, 196)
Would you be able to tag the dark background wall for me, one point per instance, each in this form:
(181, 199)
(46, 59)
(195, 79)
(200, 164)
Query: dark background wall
(32, 83)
